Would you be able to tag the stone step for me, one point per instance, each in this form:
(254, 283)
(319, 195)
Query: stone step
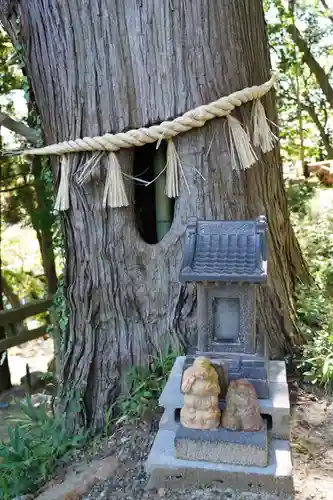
(167, 471)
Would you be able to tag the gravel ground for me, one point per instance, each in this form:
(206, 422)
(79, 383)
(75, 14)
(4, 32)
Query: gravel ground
(132, 448)
(312, 434)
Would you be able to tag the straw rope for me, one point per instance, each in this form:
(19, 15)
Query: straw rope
(194, 118)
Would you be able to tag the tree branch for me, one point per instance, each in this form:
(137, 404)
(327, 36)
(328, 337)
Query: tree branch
(327, 9)
(312, 63)
(16, 188)
(310, 109)
(19, 128)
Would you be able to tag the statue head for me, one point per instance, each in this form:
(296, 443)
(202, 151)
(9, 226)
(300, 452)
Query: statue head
(241, 391)
(202, 362)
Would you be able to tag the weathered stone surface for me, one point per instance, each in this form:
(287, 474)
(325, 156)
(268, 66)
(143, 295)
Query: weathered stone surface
(166, 470)
(201, 388)
(242, 411)
(78, 482)
(223, 446)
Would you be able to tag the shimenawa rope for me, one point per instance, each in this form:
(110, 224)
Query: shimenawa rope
(115, 194)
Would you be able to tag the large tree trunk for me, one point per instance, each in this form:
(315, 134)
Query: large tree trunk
(107, 66)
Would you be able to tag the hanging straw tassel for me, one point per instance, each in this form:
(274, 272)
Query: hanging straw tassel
(114, 191)
(62, 200)
(172, 165)
(263, 137)
(240, 142)
(88, 168)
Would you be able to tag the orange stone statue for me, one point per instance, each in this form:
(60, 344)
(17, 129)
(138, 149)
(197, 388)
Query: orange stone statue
(201, 389)
(242, 412)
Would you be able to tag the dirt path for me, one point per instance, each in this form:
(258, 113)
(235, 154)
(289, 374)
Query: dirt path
(37, 353)
(312, 433)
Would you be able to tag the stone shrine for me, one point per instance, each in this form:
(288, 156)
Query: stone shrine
(249, 448)
(227, 259)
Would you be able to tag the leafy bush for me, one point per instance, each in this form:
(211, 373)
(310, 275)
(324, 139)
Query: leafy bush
(36, 445)
(298, 196)
(145, 386)
(315, 303)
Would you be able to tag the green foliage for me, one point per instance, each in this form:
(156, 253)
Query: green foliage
(145, 386)
(26, 285)
(60, 307)
(301, 101)
(37, 444)
(298, 197)
(11, 77)
(315, 302)
(26, 200)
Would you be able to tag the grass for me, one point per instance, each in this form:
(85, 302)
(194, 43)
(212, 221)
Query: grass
(144, 386)
(37, 444)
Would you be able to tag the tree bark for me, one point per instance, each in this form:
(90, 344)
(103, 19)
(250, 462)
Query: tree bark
(116, 64)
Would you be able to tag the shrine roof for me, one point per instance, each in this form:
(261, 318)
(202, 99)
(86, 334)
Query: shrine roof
(234, 251)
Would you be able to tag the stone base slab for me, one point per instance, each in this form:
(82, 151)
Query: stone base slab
(167, 471)
(222, 446)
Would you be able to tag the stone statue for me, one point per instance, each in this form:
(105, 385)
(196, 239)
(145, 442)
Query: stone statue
(201, 389)
(242, 412)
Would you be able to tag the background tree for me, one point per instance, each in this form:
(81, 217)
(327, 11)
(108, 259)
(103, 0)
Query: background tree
(9, 80)
(25, 197)
(161, 59)
(300, 35)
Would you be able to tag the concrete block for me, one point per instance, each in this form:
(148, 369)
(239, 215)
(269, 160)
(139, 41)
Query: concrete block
(168, 420)
(222, 446)
(278, 407)
(167, 471)
(277, 372)
(171, 396)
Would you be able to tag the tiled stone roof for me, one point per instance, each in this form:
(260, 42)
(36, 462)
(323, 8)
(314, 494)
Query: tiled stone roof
(225, 251)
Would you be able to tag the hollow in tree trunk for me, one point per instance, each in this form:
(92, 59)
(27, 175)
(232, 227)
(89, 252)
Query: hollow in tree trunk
(126, 64)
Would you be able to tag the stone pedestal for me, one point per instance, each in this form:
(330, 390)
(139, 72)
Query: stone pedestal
(223, 446)
(169, 465)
